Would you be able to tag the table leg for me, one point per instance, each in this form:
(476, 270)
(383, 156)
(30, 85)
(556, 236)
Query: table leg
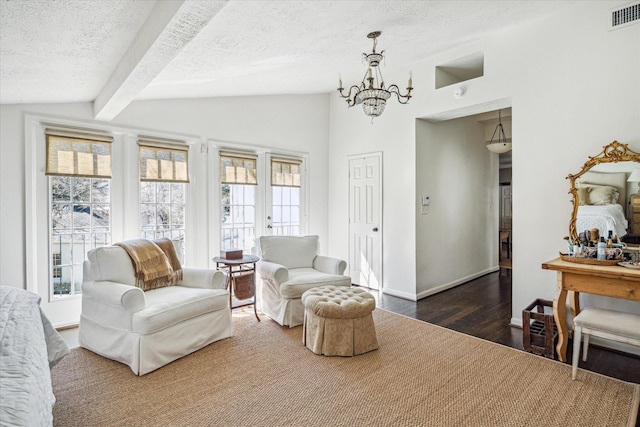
(255, 310)
(560, 315)
(255, 294)
(574, 303)
(229, 287)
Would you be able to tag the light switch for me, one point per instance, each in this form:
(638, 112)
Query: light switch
(425, 201)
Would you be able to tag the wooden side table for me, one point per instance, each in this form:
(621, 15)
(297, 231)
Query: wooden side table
(240, 271)
(572, 278)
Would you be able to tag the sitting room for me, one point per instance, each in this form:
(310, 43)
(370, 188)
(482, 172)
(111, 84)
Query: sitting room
(319, 212)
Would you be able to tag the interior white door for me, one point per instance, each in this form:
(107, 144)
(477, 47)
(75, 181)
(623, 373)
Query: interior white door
(365, 220)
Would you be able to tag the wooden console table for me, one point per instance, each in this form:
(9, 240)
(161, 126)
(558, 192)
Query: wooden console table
(573, 278)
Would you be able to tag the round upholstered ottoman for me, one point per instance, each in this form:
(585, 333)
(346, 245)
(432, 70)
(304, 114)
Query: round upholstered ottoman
(338, 321)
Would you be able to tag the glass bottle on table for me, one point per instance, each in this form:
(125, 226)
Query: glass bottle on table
(602, 249)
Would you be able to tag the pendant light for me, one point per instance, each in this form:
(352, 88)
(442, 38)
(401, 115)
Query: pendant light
(502, 144)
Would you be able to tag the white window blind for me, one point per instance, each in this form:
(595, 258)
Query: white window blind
(238, 168)
(285, 172)
(163, 161)
(78, 153)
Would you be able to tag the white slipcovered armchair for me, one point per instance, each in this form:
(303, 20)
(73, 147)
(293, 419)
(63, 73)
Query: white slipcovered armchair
(148, 329)
(289, 266)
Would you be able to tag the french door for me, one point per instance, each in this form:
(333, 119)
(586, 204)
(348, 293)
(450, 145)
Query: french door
(262, 198)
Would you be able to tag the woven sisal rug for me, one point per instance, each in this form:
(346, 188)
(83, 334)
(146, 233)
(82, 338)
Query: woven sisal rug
(422, 375)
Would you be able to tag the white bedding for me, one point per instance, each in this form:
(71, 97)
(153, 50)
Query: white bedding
(29, 346)
(602, 217)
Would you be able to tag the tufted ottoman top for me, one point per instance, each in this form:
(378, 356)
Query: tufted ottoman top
(338, 302)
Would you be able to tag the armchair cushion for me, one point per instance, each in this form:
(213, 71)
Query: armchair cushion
(290, 251)
(174, 304)
(302, 279)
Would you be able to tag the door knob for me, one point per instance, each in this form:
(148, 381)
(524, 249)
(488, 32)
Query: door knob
(375, 229)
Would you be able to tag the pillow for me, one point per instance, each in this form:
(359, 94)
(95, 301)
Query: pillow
(583, 196)
(602, 195)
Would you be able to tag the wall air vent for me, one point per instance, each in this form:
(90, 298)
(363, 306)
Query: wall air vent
(625, 15)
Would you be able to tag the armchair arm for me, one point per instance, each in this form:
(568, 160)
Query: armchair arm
(202, 278)
(329, 265)
(271, 270)
(114, 294)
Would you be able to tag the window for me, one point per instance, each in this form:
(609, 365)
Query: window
(285, 197)
(78, 166)
(56, 259)
(164, 173)
(238, 179)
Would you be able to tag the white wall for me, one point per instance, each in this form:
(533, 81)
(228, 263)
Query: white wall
(286, 123)
(574, 87)
(12, 186)
(393, 133)
(456, 240)
(296, 124)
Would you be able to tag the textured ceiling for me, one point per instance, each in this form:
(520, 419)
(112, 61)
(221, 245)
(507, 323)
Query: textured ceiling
(79, 50)
(64, 50)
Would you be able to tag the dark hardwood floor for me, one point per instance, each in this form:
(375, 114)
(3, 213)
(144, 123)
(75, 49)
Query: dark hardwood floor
(482, 308)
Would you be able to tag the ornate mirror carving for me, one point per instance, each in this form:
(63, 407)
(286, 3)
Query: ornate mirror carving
(612, 153)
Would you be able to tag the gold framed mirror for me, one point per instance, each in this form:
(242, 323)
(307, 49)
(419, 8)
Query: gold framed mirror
(615, 152)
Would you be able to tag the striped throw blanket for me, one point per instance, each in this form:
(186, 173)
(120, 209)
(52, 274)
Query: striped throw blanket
(155, 262)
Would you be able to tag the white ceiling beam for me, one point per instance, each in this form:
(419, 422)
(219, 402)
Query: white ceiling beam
(170, 27)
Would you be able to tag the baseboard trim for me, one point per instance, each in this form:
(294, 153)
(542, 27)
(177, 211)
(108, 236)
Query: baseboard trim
(455, 283)
(67, 326)
(398, 294)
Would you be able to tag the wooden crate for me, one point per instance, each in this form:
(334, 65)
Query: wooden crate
(539, 331)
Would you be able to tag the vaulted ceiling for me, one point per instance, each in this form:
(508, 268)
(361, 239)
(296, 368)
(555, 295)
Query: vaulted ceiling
(112, 52)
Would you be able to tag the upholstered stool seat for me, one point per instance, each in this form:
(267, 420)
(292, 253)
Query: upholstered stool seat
(608, 324)
(338, 321)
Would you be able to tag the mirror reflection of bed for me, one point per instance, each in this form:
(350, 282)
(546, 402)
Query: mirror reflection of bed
(604, 199)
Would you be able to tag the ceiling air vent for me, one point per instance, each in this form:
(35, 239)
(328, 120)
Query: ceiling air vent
(625, 15)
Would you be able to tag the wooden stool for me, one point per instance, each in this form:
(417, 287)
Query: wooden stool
(608, 324)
